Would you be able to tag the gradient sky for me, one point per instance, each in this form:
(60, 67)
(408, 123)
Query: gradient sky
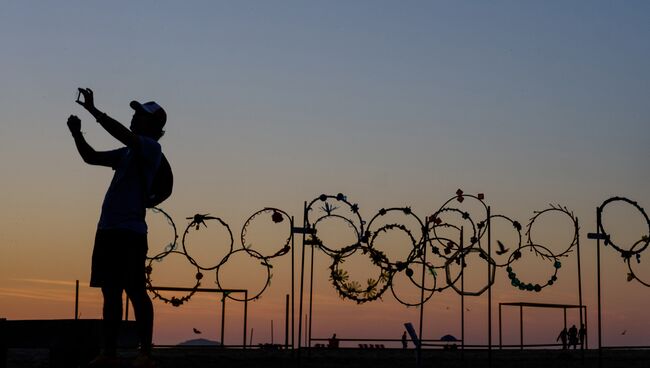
(272, 103)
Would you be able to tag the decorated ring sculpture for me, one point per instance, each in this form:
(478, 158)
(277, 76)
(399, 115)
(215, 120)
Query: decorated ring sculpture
(516, 282)
(277, 216)
(353, 289)
(197, 221)
(459, 258)
(254, 254)
(175, 301)
(624, 253)
(576, 231)
(171, 246)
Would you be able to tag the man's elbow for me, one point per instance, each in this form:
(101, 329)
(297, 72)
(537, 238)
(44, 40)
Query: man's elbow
(90, 159)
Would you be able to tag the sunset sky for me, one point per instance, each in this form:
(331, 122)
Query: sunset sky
(270, 104)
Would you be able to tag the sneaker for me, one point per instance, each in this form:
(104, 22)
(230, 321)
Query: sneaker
(143, 361)
(104, 361)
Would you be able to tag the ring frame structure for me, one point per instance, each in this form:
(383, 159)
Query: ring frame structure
(196, 223)
(608, 241)
(277, 216)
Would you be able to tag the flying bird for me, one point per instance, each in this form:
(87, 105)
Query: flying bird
(623, 333)
(502, 249)
(196, 331)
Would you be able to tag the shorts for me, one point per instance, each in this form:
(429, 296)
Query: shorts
(119, 258)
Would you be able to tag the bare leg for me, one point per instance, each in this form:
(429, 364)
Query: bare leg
(112, 316)
(143, 309)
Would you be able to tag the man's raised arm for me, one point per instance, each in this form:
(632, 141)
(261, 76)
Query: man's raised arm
(87, 153)
(112, 126)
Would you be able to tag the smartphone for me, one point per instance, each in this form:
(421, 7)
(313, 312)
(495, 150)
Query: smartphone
(79, 96)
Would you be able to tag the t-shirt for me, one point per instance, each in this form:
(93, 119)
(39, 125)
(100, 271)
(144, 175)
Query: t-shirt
(124, 203)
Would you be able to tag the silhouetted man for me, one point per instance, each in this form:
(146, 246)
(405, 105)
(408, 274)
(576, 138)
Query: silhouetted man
(333, 342)
(573, 336)
(120, 250)
(582, 333)
(404, 342)
(563, 337)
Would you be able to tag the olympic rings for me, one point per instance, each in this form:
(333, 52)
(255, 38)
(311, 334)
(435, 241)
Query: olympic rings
(171, 246)
(175, 301)
(277, 216)
(516, 282)
(574, 221)
(353, 289)
(502, 250)
(633, 275)
(255, 254)
(349, 249)
(459, 258)
(409, 273)
(624, 253)
(197, 221)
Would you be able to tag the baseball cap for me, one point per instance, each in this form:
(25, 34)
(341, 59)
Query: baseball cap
(151, 107)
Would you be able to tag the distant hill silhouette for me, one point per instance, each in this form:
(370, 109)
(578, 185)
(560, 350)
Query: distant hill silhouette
(199, 342)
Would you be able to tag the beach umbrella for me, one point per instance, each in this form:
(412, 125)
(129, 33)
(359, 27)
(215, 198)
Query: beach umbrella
(448, 338)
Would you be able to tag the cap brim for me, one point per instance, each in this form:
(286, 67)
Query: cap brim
(135, 105)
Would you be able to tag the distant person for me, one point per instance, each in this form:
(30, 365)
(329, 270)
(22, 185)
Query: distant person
(333, 342)
(582, 334)
(120, 250)
(573, 337)
(404, 341)
(563, 338)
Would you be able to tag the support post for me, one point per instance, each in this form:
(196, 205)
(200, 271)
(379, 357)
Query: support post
(500, 329)
(521, 327)
(246, 317)
(76, 301)
(600, 322)
(311, 296)
(425, 237)
(489, 260)
(302, 279)
(462, 293)
(286, 323)
(223, 316)
(293, 288)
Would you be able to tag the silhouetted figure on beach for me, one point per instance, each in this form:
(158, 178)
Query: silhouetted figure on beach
(573, 337)
(582, 334)
(333, 342)
(119, 253)
(563, 337)
(404, 341)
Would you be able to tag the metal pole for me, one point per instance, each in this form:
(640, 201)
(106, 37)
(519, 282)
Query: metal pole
(302, 277)
(462, 292)
(223, 316)
(582, 347)
(600, 324)
(293, 289)
(489, 259)
(246, 318)
(521, 327)
(76, 301)
(565, 320)
(286, 323)
(311, 294)
(424, 263)
(586, 329)
(500, 330)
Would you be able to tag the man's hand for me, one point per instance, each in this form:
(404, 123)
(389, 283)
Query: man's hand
(74, 124)
(88, 102)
